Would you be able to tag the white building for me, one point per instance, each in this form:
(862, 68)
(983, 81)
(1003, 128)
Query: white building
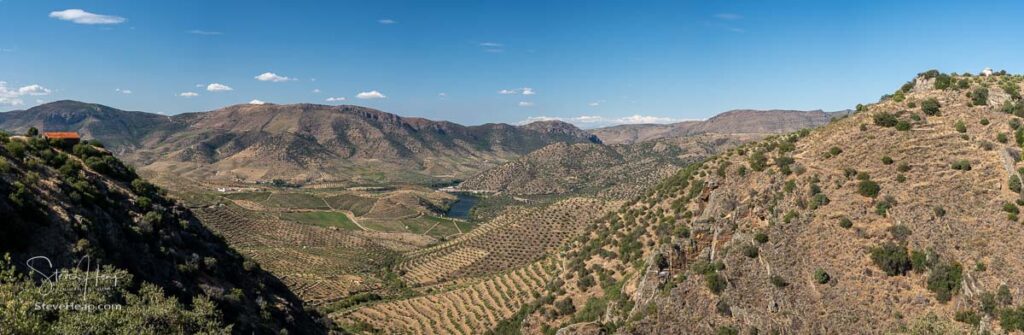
(986, 72)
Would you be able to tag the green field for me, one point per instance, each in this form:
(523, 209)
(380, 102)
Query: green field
(357, 204)
(296, 200)
(323, 219)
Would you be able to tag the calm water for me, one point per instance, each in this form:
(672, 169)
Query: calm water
(460, 209)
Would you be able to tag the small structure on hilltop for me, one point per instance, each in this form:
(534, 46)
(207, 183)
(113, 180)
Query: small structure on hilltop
(65, 138)
(986, 72)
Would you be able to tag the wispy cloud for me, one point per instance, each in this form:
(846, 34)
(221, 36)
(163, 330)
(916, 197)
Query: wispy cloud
(594, 121)
(257, 102)
(122, 91)
(204, 32)
(316, 90)
(335, 99)
(728, 16)
(218, 87)
(525, 104)
(188, 94)
(370, 95)
(523, 91)
(13, 96)
(83, 17)
(491, 46)
(272, 77)
(386, 21)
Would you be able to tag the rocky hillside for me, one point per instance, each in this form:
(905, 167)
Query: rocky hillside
(901, 218)
(610, 171)
(743, 121)
(299, 143)
(117, 240)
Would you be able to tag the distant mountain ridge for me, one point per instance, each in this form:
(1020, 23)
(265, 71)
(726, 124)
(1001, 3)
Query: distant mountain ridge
(299, 142)
(740, 121)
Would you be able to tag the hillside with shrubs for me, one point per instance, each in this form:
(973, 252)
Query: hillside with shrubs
(903, 217)
(80, 228)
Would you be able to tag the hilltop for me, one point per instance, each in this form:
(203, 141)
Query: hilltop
(743, 121)
(900, 218)
(619, 171)
(80, 208)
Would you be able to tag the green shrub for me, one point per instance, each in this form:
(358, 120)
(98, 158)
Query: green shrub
(790, 215)
(903, 167)
(835, 151)
(919, 261)
(969, 317)
(960, 126)
(1015, 183)
(758, 162)
(868, 188)
(943, 81)
(899, 232)
(1012, 319)
(885, 119)
(845, 223)
(930, 106)
(979, 97)
(1010, 208)
(983, 122)
(715, 282)
(962, 165)
(944, 280)
(565, 307)
(750, 251)
(821, 276)
(778, 281)
(1001, 138)
(887, 160)
(891, 258)
(882, 206)
(761, 238)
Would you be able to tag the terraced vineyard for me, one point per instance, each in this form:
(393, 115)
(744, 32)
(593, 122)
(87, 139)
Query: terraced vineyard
(319, 264)
(470, 309)
(518, 237)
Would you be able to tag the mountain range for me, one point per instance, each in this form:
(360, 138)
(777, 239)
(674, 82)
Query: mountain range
(304, 143)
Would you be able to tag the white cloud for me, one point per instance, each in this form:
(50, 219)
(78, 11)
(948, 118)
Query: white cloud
(386, 21)
(218, 87)
(13, 97)
(204, 32)
(594, 104)
(523, 91)
(82, 17)
(594, 121)
(257, 102)
(188, 94)
(335, 99)
(316, 90)
(491, 47)
(118, 90)
(33, 90)
(443, 95)
(728, 16)
(525, 104)
(370, 95)
(272, 77)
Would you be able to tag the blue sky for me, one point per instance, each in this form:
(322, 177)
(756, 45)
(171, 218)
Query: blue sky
(590, 62)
